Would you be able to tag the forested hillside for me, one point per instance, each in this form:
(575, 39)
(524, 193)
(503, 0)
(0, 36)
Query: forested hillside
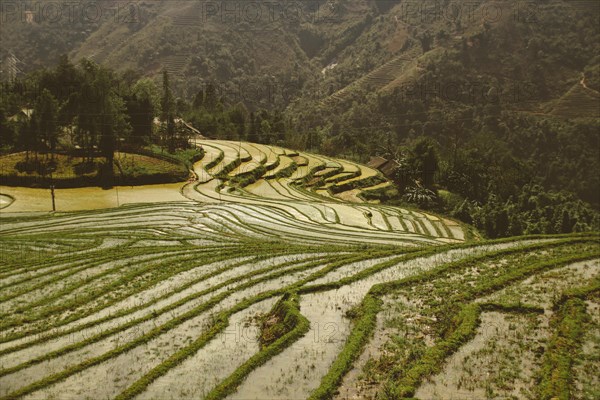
(489, 111)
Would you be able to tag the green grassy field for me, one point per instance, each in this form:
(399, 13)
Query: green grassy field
(65, 168)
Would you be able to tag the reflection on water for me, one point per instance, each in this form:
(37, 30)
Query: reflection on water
(88, 198)
(5, 201)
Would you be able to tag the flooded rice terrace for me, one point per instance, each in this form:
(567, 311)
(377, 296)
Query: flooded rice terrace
(169, 291)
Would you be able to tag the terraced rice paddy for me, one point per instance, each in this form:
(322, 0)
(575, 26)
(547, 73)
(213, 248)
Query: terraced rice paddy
(579, 102)
(171, 298)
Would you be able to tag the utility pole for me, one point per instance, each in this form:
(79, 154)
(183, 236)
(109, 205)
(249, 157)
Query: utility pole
(113, 177)
(53, 201)
(52, 193)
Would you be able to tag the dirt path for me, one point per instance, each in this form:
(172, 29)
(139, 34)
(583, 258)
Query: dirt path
(585, 86)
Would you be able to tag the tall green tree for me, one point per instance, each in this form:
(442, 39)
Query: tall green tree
(211, 98)
(45, 121)
(254, 129)
(101, 113)
(168, 111)
(426, 40)
(87, 123)
(424, 158)
(238, 115)
(114, 126)
(6, 131)
(142, 106)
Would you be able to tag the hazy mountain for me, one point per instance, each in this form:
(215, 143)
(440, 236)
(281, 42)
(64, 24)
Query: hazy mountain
(270, 50)
(500, 98)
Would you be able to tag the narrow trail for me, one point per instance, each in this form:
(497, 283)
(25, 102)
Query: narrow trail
(585, 86)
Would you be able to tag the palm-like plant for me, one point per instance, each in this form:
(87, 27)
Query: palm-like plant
(419, 195)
